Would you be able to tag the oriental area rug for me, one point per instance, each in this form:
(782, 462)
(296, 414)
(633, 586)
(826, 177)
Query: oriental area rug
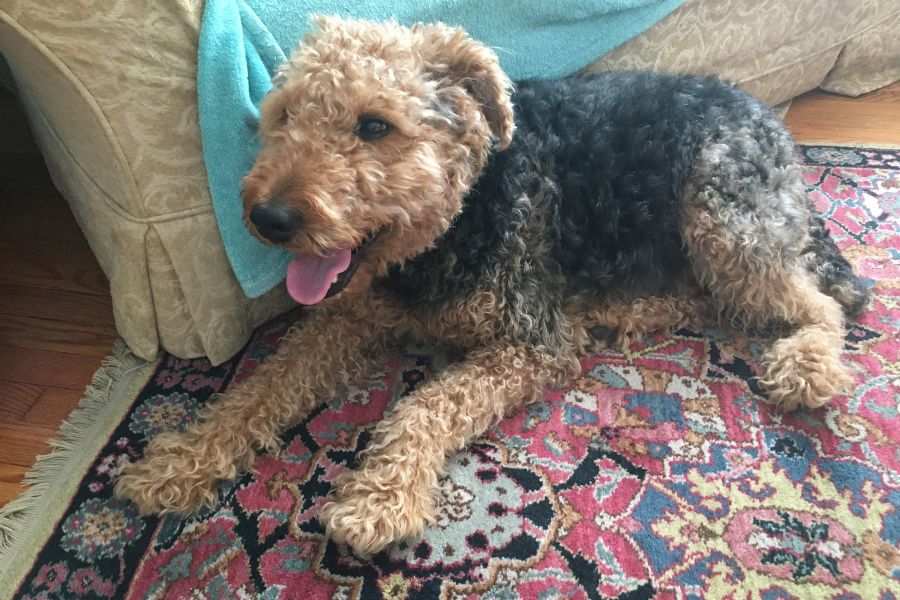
(660, 473)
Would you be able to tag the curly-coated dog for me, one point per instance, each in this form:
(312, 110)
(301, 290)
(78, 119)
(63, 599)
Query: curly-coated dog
(423, 197)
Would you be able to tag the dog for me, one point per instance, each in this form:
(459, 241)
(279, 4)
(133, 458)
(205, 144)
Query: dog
(425, 197)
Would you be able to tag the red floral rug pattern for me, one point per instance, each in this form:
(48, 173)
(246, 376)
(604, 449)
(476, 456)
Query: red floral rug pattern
(660, 473)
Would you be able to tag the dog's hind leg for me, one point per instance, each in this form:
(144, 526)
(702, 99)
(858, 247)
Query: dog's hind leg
(180, 471)
(745, 228)
(391, 495)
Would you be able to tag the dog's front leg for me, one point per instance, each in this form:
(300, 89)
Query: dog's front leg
(391, 495)
(180, 471)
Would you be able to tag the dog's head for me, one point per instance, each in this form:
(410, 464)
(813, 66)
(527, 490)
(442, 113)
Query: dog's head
(371, 137)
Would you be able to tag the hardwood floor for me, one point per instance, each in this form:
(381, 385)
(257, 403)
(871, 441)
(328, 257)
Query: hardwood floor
(56, 319)
(56, 314)
(823, 118)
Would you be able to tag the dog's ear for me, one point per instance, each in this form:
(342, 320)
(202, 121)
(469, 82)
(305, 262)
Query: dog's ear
(450, 55)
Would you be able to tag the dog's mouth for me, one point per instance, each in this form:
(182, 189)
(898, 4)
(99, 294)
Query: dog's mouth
(312, 278)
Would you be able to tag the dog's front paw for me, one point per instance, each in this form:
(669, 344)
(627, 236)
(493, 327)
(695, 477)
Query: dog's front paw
(177, 475)
(367, 515)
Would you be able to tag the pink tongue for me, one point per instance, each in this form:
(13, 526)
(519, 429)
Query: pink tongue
(309, 277)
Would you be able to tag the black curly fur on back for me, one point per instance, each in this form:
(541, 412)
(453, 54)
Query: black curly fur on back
(587, 198)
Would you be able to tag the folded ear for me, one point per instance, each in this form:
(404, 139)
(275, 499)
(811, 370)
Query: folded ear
(454, 57)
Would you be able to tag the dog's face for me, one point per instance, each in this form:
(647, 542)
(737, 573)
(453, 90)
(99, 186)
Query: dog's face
(371, 137)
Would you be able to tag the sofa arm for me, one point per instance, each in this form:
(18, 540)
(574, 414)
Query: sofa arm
(113, 109)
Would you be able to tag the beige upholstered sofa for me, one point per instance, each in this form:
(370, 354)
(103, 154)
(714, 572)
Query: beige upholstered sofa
(109, 88)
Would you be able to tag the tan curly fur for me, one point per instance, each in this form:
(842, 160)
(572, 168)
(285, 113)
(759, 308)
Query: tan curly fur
(630, 321)
(180, 471)
(391, 495)
(449, 103)
(412, 184)
(803, 369)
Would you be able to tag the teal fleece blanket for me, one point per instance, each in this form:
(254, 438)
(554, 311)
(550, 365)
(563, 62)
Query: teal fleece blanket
(242, 42)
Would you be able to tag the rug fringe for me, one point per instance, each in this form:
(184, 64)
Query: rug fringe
(18, 516)
(854, 145)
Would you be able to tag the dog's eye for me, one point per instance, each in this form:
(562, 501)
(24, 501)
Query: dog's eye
(372, 128)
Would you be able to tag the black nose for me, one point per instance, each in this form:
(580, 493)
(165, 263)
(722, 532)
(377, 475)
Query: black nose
(275, 222)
